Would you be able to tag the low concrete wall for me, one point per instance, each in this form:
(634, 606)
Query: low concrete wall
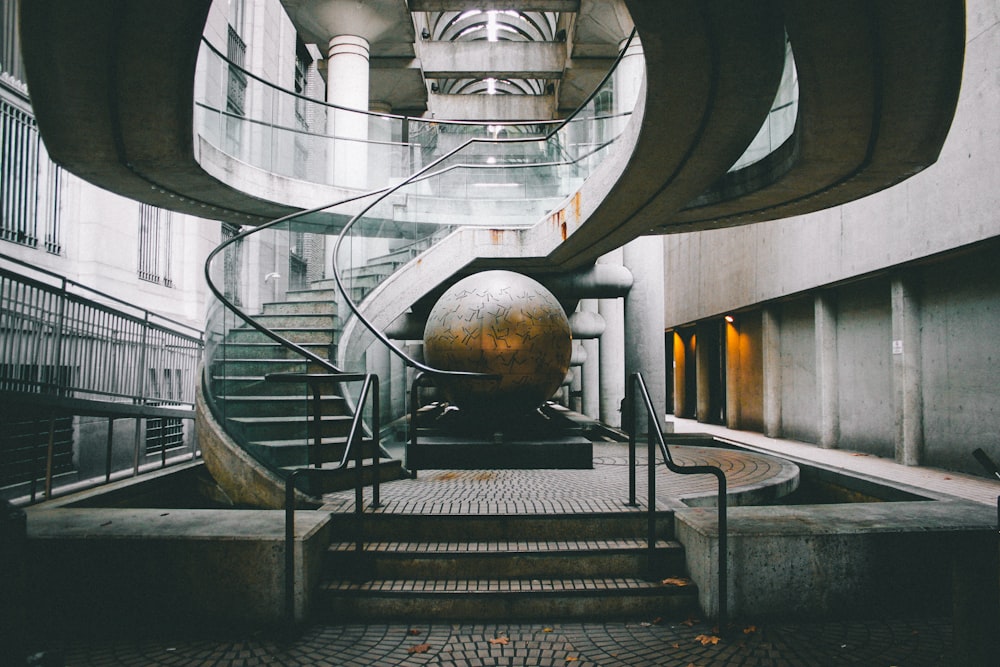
(815, 561)
(104, 568)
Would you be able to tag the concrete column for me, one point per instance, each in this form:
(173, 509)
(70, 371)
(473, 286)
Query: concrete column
(771, 360)
(612, 359)
(591, 368)
(703, 373)
(679, 362)
(906, 355)
(644, 316)
(733, 371)
(827, 382)
(347, 86)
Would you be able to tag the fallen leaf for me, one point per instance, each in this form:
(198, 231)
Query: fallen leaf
(500, 640)
(707, 639)
(547, 630)
(419, 648)
(570, 658)
(750, 629)
(414, 631)
(675, 645)
(690, 622)
(676, 581)
(657, 620)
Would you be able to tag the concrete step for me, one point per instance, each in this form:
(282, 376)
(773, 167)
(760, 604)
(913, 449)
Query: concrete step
(295, 334)
(255, 429)
(237, 367)
(319, 294)
(496, 527)
(298, 320)
(318, 307)
(498, 599)
(282, 405)
(508, 560)
(340, 479)
(268, 349)
(292, 453)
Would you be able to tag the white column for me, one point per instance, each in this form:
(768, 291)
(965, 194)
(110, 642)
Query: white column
(906, 353)
(347, 86)
(612, 352)
(591, 368)
(644, 316)
(827, 381)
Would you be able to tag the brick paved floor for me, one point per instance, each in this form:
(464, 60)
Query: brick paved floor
(871, 643)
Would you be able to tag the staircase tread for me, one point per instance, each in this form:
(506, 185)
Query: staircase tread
(331, 441)
(503, 547)
(289, 418)
(291, 398)
(577, 586)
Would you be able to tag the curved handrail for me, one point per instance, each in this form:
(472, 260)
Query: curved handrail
(654, 437)
(424, 173)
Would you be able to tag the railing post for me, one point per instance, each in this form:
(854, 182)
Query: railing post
(290, 546)
(107, 458)
(376, 441)
(630, 422)
(651, 486)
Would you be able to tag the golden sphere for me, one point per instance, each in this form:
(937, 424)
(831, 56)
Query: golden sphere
(503, 323)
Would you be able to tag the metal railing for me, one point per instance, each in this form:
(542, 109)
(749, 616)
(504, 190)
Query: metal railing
(315, 472)
(653, 438)
(72, 350)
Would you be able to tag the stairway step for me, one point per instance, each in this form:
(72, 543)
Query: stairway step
(276, 428)
(269, 349)
(330, 294)
(296, 452)
(291, 405)
(341, 479)
(297, 320)
(497, 527)
(507, 599)
(327, 307)
(297, 335)
(515, 560)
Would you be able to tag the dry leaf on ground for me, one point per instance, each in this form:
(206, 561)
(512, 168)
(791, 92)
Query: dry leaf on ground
(419, 648)
(500, 640)
(676, 581)
(707, 639)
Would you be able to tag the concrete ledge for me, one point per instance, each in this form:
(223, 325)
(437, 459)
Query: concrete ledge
(110, 568)
(825, 560)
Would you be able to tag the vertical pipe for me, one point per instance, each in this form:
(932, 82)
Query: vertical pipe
(107, 460)
(50, 454)
(376, 442)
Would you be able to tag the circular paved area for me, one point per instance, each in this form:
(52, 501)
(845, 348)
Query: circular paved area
(858, 643)
(601, 489)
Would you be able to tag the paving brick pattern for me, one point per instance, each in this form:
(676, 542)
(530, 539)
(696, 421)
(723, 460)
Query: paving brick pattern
(601, 489)
(870, 643)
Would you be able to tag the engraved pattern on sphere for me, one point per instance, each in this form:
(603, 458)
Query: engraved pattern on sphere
(504, 323)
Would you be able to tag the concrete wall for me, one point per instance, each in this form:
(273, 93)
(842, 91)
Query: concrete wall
(864, 342)
(799, 414)
(849, 255)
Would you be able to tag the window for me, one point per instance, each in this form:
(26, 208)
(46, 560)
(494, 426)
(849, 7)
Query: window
(10, 41)
(155, 240)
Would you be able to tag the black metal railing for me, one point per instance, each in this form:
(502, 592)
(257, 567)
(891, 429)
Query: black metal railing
(654, 438)
(355, 449)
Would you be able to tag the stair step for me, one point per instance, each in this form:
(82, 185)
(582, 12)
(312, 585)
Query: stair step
(292, 405)
(326, 307)
(297, 320)
(292, 453)
(322, 294)
(268, 349)
(497, 527)
(507, 599)
(276, 428)
(341, 479)
(297, 335)
(501, 559)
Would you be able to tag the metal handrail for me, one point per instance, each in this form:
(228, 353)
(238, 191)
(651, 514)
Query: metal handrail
(430, 169)
(654, 437)
(355, 447)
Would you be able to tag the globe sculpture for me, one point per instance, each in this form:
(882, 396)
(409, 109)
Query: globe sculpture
(502, 323)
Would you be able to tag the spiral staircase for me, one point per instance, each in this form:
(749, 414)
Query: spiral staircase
(875, 89)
